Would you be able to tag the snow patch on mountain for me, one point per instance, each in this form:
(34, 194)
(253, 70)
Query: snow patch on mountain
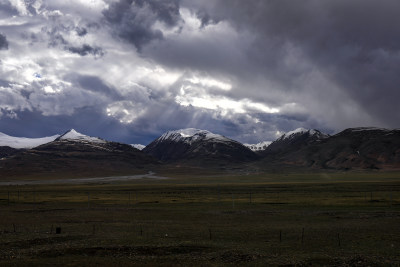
(138, 146)
(258, 147)
(191, 135)
(300, 131)
(23, 142)
(73, 135)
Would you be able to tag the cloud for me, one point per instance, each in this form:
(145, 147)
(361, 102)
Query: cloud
(85, 50)
(7, 10)
(81, 31)
(134, 20)
(347, 45)
(95, 84)
(3, 42)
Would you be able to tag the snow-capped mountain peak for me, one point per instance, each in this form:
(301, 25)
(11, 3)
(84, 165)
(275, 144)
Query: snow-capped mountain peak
(301, 131)
(73, 135)
(23, 142)
(190, 135)
(258, 147)
(198, 146)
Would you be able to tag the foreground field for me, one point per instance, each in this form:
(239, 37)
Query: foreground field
(337, 219)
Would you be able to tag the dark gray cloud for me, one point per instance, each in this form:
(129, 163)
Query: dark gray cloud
(335, 57)
(81, 31)
(59, 33)
(205, 18)
(85, 50)
(95, 84)
(354, 44)
(7, 10)
(29, 4)
(3, 42)
(133, 20)
(4, 83)
(55, 35)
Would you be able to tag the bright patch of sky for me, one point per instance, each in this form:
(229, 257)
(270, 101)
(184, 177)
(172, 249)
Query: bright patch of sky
(223, 104)
(210, 82)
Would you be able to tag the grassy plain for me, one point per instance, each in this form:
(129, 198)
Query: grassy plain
(333, 219)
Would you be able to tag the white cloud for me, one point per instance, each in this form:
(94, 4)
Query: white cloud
(210, 82)
(224, 105)
(125, 111)
(20, 6)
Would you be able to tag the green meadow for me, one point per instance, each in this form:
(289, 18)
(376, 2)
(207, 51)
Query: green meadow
(329, 219)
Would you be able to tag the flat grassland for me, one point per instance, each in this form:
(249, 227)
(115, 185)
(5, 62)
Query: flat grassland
(330, 219)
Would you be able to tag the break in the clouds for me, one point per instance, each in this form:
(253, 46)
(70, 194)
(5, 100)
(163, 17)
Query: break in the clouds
(130, 69)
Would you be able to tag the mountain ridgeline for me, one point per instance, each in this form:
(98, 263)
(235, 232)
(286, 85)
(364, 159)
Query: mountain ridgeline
(354, 148)
(199, 147)
(75, 154)
(293, 141)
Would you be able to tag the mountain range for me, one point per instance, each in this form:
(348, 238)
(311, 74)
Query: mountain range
(76, 154)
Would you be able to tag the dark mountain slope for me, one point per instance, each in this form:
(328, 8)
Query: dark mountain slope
(355, 148)
(199, 147)
(6, 151)
(293, 141)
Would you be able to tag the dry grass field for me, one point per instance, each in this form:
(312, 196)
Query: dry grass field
(336, 219)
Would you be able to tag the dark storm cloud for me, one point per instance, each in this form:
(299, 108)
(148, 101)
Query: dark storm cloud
(354, 43)
(85, 50)
(95, 84)
(133, 19)
(3, 42)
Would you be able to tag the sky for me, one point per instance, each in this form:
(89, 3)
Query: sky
(129, 70)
